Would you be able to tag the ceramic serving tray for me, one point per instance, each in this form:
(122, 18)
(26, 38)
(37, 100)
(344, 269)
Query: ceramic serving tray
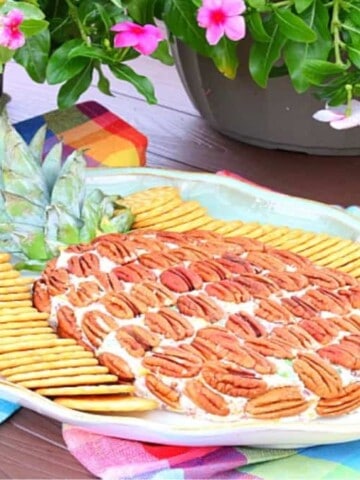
(227, 199)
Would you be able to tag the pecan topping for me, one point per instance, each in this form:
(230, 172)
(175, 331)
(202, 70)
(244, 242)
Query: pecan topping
(159, 260)
(96, 325)
(118, 252)
(163, 295)
(320, 278)
(57, 281)
(169, 323)
(322, 330)
(273, 312)
(235, 264)
(217, 343)
(322, 299)
(265, 261)
(257, 286)
(345, 354)
(180, 279)
(318, 376)
(343, 279)
(200, 306)
(163, 392)
(289, 258)
(123, 305)
(133, 272)
(248, 244)
(245, 326)
(277, 403)
(117, 365)
(109, 281)
(346, 402)
(136, 340)
(173, 362)
(298, 307)
(232, 380)
(228, 291)
(210, 270)
(289, 281)
(294, 336)
(206, 399)
(66, 324)
(41, 296)
(83, 265)
(348, 324)
(84, 294)
(189, 252)
(353, 295)
(271, 347)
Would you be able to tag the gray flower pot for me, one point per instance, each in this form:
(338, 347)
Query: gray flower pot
(276, 117)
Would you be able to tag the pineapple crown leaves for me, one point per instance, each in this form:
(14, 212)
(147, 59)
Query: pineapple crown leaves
(44, 203)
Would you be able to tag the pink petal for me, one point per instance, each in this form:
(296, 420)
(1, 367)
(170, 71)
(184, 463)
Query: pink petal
(147, 45)
(212, 4)
(153, 31)
(234, 7)
(14, 18)
(204, 17)
(123, 26)
(327, 115)
(214, 33)
(345, 123)
(235, 28)
(125, 39)
(17, 41)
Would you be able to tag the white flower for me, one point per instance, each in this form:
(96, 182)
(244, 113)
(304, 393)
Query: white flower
(338, 117)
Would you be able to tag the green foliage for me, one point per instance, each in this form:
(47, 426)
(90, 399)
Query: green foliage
(69, 42)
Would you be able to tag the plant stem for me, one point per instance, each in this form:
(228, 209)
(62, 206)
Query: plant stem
(335, 29)
(74, 15)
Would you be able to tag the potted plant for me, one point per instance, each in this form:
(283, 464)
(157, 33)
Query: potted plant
(257, 70)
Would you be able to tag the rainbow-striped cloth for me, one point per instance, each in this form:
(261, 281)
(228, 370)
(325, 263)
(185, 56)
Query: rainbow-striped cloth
(108, 140)
(116, 459)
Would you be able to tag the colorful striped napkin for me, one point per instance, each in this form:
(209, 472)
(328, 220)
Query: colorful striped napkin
(108, 140)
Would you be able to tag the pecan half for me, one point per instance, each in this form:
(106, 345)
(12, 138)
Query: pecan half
(265, 261)
(218, 343)
(261, 364)
(199, 306)
(134, 273)
(319, 277)
(289, 281)
(233, 380)
(326, 300)
(136, 340)
(298, 307)
(289, 258)
(173, 362)
(210, 270)
(322, 330)
(96, 325)
(228, 291)
(41, 296)
(163, 295)
(57, 281)
(169, 323)
(162, 391)
(257, 286)
(119, 252)
(345, 354)
(273, 312)
(84, 294)
(189, 252)
(342, 278)
(180, 279)
(109, 281)
(235, 264)
(353, 295)
(245, 326)
(206, 399)
(83, 265)
(158, 260)
(348, 324)
(66, 324)
(317, 375)
(123, 305)
(346, 402)
(117, 365)
(248, 244)
(277, 403)
(271, 347)
(294, 336)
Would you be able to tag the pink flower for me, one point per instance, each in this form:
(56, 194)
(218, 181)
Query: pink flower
(222, 17)
(338, 116)
(143, 38)
(10, 34)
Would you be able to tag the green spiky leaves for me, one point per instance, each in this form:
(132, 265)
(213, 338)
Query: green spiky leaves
(44, 204)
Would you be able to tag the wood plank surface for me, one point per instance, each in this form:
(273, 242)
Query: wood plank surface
(31, 446)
